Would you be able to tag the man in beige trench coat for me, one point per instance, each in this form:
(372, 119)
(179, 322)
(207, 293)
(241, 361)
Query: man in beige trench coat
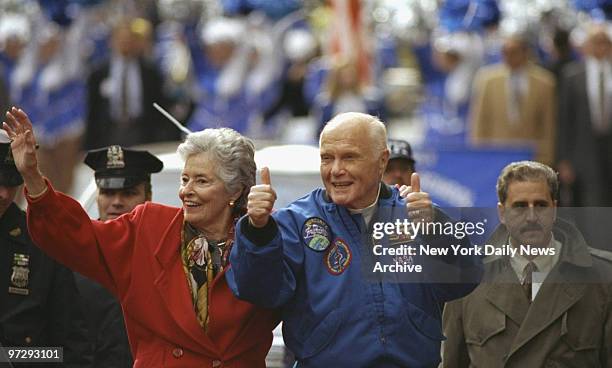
(543, 311)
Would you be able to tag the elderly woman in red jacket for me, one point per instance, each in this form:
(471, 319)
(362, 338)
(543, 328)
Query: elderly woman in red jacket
(165, 265)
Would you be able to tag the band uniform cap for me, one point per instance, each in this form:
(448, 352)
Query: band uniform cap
(9, 176)
(119, 168)
(399, 148)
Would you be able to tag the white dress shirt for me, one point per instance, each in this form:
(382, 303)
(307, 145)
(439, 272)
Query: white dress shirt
(594, 68)
(543, 263)
(517, 86)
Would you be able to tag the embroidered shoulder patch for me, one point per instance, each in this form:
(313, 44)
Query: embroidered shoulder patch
(338, 257)
(316, 234)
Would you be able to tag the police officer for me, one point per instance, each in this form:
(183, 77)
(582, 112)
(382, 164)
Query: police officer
(37, 303)
(123, 177)
(401, 164)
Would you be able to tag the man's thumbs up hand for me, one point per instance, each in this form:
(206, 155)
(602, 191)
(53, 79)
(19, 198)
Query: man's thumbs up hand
(418, 203)
(261, 200)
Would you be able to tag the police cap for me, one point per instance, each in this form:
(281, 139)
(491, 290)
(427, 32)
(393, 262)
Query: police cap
(9, 176)
(400, 149)
(119, 168)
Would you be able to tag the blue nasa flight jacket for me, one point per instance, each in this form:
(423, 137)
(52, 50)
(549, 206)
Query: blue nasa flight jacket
(310, 261)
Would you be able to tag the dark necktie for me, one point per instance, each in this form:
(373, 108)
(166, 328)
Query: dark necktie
(124, 93)
(602, 100)
(530, 268)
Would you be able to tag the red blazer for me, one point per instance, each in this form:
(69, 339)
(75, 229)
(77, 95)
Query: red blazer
(137, 258)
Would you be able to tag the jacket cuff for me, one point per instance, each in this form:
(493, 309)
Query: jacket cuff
(259, 235)
(44, 194)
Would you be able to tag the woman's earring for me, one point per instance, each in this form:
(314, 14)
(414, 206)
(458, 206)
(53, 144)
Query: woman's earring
(231, 203)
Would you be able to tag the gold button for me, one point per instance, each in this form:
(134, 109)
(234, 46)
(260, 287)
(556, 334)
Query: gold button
(28, 340)
(177, 352)
(216, 363)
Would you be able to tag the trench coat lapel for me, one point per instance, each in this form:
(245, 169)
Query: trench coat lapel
(505, 292)
(565, 285)
(557, 294)
(172, 286)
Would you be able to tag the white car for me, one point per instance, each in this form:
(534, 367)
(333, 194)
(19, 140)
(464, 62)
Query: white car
(294, 172)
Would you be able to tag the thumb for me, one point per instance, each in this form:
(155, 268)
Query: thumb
(265, 176)
(415, 182)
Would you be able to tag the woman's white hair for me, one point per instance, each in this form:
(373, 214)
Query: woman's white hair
(233, 155)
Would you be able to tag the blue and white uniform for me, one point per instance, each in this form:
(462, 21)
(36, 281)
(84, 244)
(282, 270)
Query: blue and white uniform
(312, 261)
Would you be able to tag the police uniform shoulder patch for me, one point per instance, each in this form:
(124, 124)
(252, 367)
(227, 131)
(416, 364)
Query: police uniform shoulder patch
(338, 257)
(316, 234)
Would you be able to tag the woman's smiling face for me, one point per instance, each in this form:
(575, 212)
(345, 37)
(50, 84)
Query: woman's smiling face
(205, 199)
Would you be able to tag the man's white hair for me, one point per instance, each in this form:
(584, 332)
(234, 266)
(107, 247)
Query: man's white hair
(376, 128)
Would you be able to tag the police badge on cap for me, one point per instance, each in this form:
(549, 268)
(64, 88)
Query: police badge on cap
(9, 176)
(119, 168)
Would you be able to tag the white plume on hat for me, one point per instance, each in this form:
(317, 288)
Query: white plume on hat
(299, 44)
(222, 30)
(14, 25)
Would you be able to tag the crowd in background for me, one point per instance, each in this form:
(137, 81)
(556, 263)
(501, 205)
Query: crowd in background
(511, 73)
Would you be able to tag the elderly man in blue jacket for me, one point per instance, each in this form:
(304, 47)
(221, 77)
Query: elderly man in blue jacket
(315, 259)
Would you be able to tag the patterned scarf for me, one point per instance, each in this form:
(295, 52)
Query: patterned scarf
(203, 260)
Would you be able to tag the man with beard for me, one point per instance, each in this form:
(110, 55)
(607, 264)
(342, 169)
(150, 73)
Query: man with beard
(534, 311)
